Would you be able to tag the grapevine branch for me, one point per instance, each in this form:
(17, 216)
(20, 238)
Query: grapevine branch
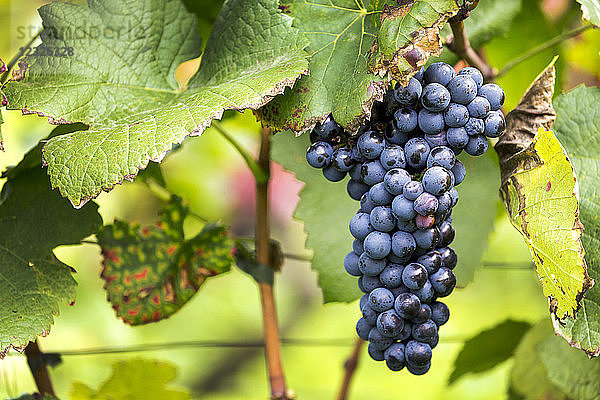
(39, 369)
(460, 44)
(271, 329)
(349, 368)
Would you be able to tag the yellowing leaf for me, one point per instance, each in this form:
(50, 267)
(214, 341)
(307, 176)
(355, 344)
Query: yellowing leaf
(542, 205)
(134, 380)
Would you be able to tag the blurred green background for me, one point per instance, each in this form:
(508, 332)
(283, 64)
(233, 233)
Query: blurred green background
(211, 176)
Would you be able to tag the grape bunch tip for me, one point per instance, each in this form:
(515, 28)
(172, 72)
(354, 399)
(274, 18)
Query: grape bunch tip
(403, 169)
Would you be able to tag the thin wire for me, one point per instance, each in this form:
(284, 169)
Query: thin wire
(211, 344)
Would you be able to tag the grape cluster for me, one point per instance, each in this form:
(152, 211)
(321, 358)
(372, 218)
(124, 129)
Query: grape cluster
(403, 169)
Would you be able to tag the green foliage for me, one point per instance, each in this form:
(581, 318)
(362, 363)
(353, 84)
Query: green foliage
(488, 348)
(129, 95)
(136, 379)
(348, 42)
(473, 225)
(325, 209)
(36, 396)
(529, 377)
(570, 369)
(206, 11)
(591, 11)
(152, 271)
(34, 282)
(577, 125)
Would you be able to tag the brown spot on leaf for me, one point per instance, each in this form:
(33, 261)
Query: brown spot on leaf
(548, 186)
(19, 73)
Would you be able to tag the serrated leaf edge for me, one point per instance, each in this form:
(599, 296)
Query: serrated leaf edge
(197, 131)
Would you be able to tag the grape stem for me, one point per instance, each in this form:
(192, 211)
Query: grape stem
(460, 45)
(349, 368)
(270, 326)
(261, 175)
(38, 368)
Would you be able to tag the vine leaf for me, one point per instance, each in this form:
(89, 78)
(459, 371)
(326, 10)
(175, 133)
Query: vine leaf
(325, 209)
(538, 190)
(528, 376)
(542, 205)
(577, 127)
(488, 348)
(134, 379)
(125, 88)
(570, 369)
(150, 272)
(475, 224)
(34, 283)
(591, 11)
(348, 43)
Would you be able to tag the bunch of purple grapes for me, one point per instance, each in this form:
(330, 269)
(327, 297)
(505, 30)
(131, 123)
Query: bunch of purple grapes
(403, 169)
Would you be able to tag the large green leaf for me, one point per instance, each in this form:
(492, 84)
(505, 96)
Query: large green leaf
(591, 11)
(528, 377)
(570, 369)
(33, 221)
(136, 379)
(152, 271)
(125, 88)
(473, 225)
(326, 210)
(488, 348)
(538, 189)
(578, 127)
(348, 42)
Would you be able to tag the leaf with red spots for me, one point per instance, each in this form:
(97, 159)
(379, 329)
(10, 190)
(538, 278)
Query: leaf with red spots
(152, 271)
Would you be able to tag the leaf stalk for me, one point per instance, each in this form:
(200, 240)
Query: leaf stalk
(261, 175)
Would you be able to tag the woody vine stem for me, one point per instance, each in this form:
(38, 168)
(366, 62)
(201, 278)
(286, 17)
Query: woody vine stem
(270, 326)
